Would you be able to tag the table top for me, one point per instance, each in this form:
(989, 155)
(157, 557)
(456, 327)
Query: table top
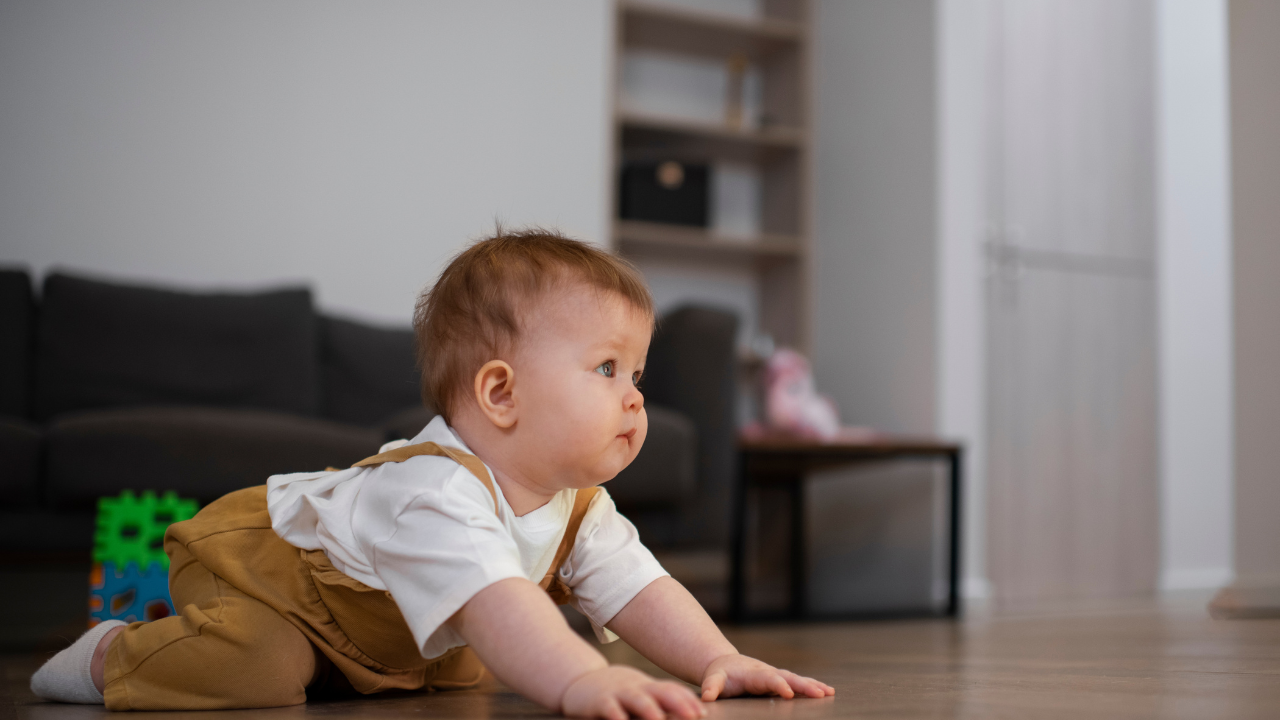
(853, 441)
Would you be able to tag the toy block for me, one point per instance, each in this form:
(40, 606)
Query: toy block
(130, 576)
(128, 594)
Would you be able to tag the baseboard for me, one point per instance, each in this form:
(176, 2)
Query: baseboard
(1202, 578)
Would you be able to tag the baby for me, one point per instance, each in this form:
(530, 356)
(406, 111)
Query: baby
(446, 554)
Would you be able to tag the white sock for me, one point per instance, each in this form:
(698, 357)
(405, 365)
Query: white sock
(66, 677)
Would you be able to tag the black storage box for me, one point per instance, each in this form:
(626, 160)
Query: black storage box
(666, 192)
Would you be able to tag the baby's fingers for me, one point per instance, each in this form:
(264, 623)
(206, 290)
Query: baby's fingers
(779, 685)
(713, 685)
(807, 685)
(677, 700)
(613, 710)
(642, 704)
(767, 680)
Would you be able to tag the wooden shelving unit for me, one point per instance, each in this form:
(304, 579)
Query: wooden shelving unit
(641, 236)
(691, 32)
(776, 144)
(659, 136)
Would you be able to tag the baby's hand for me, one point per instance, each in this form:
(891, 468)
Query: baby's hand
(731, 675)
(617, 691)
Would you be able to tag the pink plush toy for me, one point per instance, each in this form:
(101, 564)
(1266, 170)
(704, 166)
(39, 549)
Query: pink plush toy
(791, 402)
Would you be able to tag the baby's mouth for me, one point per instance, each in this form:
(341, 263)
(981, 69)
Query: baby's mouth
(628, 434)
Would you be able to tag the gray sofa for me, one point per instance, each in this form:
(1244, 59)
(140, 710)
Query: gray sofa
(106, 387)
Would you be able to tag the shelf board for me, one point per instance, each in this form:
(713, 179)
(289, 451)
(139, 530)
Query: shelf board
(657, 26)
(636, 235)
(777, 136)
(704, 140)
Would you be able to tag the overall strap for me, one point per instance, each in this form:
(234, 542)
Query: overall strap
(466, 460)
(552, 583)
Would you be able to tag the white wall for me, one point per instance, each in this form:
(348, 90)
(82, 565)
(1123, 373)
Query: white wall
(351, 145)
(1195, 294)
(900, 221)
(961, 232)
(874, 231)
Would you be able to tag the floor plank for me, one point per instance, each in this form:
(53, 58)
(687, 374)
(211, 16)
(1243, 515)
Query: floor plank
(1140, 661)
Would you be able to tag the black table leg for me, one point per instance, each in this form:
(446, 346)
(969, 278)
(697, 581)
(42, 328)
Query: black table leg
(799, 569)
(953, 600)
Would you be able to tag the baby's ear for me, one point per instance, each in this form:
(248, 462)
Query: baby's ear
(493, 387)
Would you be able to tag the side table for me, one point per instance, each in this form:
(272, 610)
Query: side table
(786, 461)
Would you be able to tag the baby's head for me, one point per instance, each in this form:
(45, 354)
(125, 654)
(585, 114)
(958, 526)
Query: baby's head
(531, 345)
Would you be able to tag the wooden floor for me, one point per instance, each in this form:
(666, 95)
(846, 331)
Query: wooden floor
(1136, 661)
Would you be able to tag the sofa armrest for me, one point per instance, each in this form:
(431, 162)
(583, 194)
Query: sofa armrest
(664, 474)
(692, 370)
(17, 338)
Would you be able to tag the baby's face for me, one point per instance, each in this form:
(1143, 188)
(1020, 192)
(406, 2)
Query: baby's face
(580, 355)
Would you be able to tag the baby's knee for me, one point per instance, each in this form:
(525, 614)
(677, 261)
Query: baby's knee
(228, 655)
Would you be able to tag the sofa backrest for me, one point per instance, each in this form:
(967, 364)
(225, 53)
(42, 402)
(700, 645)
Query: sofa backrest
(17, 323)
(101, 345)
(367, 373)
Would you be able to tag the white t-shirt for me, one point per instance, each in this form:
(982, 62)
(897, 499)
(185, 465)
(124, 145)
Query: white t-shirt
(425, 529)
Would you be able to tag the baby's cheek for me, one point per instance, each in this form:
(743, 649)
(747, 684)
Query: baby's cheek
(634, 444)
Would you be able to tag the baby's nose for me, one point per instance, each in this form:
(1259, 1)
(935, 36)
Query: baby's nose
(633, 400)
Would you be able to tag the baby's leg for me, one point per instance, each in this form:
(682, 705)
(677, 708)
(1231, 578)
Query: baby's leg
(223, 650)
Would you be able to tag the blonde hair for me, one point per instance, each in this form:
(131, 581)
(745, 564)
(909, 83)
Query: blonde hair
(473, 312)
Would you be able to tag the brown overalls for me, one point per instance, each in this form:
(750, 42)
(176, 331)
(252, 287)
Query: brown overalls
(260, 621)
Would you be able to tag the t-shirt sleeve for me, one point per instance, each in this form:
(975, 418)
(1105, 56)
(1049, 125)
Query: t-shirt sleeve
(608, 566)
(444, 547)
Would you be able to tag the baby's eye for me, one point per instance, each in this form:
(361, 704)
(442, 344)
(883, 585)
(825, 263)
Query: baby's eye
(606, 369)
(636, 376)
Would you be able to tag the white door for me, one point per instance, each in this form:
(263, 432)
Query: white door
(1071, 320)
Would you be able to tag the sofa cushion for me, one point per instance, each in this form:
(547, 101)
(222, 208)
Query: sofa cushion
(367, 373)
(19, 462)
(201, 453)
(46, 535)
(17, 325)
(664, 473)
(106, 345)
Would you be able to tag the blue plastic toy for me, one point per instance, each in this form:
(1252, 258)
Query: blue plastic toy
(129, 594)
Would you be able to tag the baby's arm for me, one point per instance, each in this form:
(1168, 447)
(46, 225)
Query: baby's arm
(524, 640)
(667, 625)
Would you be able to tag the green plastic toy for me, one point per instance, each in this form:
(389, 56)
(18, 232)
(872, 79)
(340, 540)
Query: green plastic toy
(130, 529)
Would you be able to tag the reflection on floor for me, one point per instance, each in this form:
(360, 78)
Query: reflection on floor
(1138, 660)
